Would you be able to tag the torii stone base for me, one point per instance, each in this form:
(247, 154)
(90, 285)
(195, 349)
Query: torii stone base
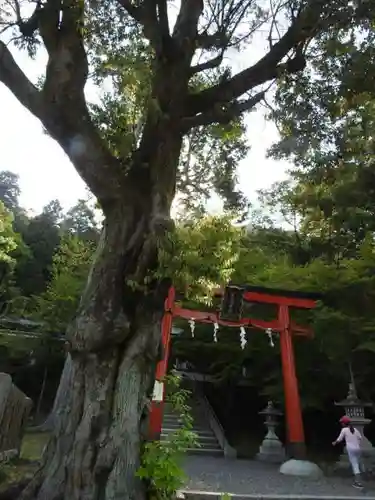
(301, 468)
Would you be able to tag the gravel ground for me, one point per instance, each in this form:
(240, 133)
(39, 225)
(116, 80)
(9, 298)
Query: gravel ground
(241, 477)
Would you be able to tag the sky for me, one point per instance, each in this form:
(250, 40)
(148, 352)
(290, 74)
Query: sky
(46, 173)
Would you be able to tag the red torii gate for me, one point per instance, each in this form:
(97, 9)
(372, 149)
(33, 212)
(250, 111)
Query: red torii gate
(284, 300)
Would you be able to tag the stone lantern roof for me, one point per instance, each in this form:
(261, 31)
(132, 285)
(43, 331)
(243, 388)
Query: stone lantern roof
(270, 410)
(354, 407)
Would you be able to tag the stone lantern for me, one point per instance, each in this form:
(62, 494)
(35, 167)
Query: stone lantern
(271, 450)
(354, 408)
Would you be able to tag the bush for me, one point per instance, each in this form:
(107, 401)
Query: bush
(161, 467)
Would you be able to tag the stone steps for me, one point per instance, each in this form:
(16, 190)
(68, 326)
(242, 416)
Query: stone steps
(206, 439)
(206, 436)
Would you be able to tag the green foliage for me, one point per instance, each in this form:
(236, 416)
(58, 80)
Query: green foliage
(39, 252)
(3, 474)
(326, 121)
(208, 164)
(121, 113)
(9, 189)
(41, 235)
(57, 306)
(161, 460)
(10, 245)
(225, 496)
(8, 238)
(209, 155)
(80, 221)
(343, 323)
(207, 252)
(201, 254)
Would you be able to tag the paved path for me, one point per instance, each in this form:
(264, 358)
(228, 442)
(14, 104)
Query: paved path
(252, 477)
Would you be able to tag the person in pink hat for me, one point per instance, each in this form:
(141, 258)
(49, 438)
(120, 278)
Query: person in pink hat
(352, 438)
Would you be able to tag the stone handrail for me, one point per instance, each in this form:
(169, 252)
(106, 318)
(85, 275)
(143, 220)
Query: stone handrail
(202, 377)
(229, 451)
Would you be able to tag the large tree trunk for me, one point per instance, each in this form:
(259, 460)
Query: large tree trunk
(94, 451)
(61, 395)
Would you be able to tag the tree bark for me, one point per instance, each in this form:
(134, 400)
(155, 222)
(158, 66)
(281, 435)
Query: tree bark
(94, 451)
(61, 395)
(41, 394)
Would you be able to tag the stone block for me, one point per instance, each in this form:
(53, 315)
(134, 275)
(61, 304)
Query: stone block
(14, 412)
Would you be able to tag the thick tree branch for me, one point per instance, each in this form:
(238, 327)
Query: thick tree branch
(211, 64)
(61, 105)
(67, 67)
(186, 26)
(135, 12)
(29, 26)
(223, 114)
(49, 18)
(17, 82)
(218, 40)
(163, 17)
(266, 68)
(76, 134)
(145, 14)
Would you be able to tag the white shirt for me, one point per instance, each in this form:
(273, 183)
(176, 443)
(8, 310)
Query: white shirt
(352, 439)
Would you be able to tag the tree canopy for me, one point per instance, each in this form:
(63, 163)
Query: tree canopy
(58, 304)
(326, 124)
(29, 243)
(7, 235)
(117, 43)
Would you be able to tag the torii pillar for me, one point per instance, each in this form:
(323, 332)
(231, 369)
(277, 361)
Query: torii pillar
(293, 411)
(158, 398)
(297, 465)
